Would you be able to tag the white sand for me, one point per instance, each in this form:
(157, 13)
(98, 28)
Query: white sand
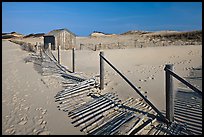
(28, 105)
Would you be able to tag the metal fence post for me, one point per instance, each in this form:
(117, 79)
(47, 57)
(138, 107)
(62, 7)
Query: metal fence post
(101, 71)
(73, 60)
(169, 94)
(58, 54)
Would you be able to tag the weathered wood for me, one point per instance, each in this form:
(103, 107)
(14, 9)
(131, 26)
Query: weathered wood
(108, 116)
(68, 76)
(98, 106)
(78, 87)
(149, 122)
(80, 46)
(58, 65)
(89, 103)
(58, 54)
(73, 60)
(99, 117)
(169, 95)
(78, 91)
(101, 71)
(73, 107)
(109, 125)
(93, 111)
(184, 81)
(119, 124)
(93, 104)
(95, 47)
(62, 37)
(99, 112)
(80, 95)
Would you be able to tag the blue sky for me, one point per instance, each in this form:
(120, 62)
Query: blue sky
(83, 18)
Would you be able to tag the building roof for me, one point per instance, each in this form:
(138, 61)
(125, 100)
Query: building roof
(56, 31)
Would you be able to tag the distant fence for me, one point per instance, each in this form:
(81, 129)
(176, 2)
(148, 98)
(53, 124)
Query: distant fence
(115, 45)
(28, 46)
(131, 44)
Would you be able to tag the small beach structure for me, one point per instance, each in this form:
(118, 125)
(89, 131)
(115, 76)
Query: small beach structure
(60, 37)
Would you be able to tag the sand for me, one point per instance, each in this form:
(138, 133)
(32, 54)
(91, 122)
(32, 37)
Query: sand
(144, 67)
(28, 105)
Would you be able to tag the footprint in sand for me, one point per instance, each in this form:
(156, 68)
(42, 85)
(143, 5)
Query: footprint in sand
(39, 131)
(7, 117)
(35, 130)
(14, 99)
(129, 71)
(143, 80)
(38, 108)
(44, 133)
(10, 131)
(44, 122)
(23, 121)
(44, 111)
(40, 121)
(151, 78)
(27, 108)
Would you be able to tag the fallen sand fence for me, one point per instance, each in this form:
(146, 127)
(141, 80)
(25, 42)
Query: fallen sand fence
(26, 46)
(169, 120)
(87, 106)
(109, 115)
(98, 113)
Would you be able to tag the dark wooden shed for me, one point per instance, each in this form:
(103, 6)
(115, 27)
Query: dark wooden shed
(60, 37)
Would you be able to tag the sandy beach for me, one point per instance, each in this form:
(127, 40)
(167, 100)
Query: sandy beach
(28, 105)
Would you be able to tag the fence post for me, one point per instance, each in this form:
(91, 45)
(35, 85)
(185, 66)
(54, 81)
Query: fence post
(58, 48)
(36, 46)
(135, 43)
(101, 71)
(73, 60)
(169, 94)
(41, 52)
(95, 47)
